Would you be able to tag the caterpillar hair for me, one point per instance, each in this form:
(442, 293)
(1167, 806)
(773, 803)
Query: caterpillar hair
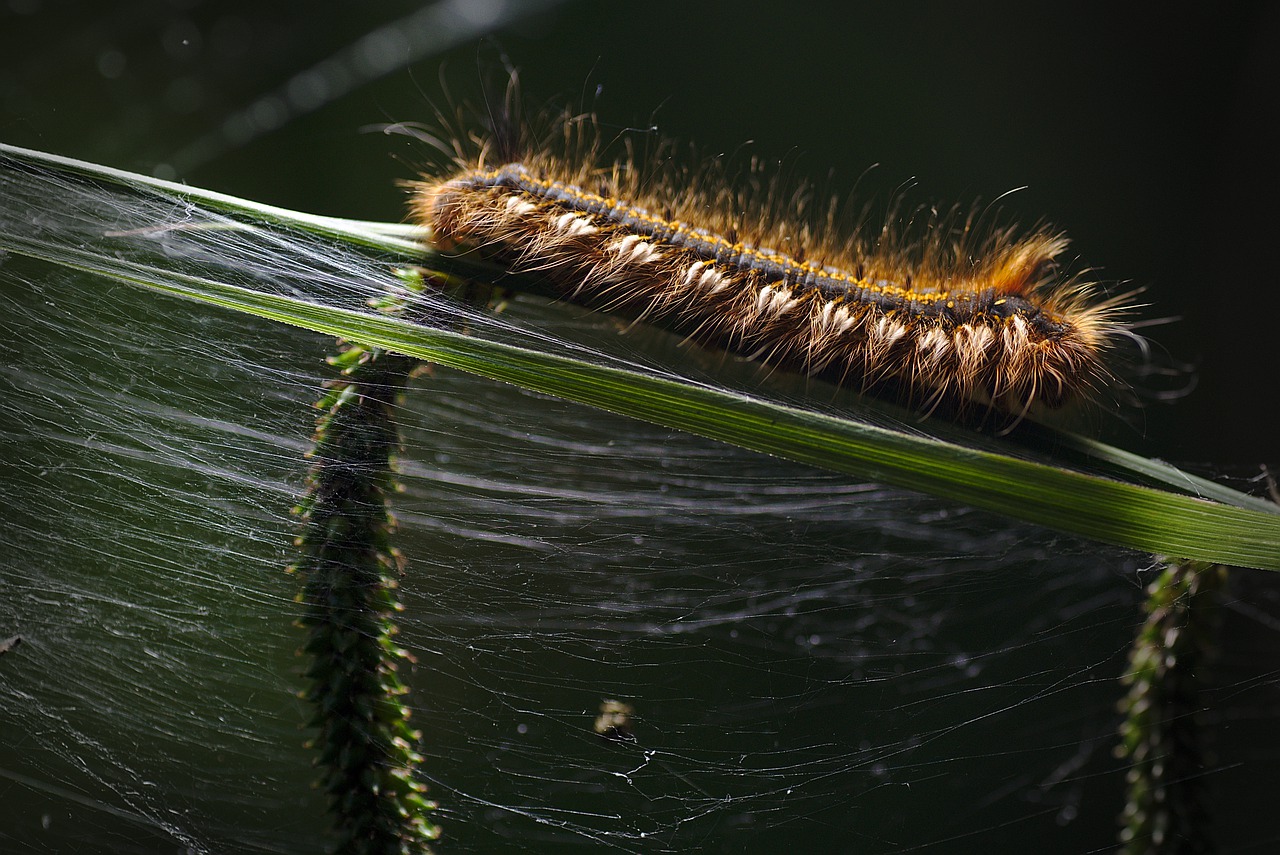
(956, 313)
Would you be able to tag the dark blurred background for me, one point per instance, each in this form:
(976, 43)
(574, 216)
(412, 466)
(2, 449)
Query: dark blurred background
(956, 642)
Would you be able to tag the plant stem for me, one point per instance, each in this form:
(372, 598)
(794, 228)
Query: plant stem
(1165, 810)
(350, 571)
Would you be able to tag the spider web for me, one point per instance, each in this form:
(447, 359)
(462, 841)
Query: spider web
(810, 663)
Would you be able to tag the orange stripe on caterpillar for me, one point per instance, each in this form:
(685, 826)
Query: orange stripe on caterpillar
(934, 322)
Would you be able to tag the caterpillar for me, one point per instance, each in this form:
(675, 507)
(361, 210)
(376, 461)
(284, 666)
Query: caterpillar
(960, 316)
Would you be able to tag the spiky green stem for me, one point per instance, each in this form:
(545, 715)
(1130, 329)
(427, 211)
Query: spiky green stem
(350, 572)
(1165, 811)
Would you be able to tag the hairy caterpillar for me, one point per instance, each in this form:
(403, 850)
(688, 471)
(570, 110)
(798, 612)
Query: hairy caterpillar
(956, 317)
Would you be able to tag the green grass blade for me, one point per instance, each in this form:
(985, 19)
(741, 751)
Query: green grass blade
(1236, 529)
(389, 237)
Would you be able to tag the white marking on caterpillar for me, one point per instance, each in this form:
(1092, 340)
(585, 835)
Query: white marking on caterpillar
(520, 207)
(575, 224)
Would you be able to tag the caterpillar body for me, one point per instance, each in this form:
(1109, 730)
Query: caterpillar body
(956, 318)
